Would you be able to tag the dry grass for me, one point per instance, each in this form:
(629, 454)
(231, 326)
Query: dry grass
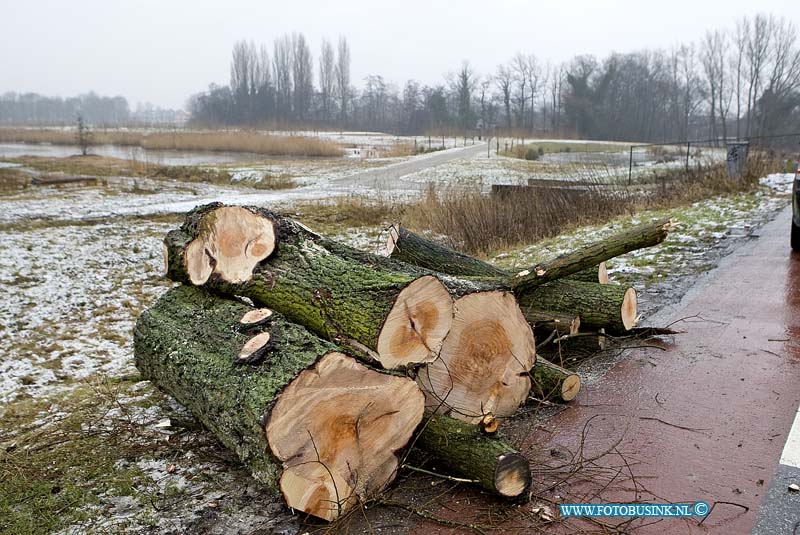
(482, 224)
(67, 137)
(192, 141)
(399, 150)
(101, 166)
(243, 142)
(341, 213)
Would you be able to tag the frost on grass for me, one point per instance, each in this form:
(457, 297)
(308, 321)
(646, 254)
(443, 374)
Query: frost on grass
(72, 294)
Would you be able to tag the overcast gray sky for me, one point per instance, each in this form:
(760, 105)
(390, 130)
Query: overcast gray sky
(162, 51)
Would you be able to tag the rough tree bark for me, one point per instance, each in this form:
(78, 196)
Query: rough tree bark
(552, 382)
(490, 460)
(403, 317)
(583, 263)
(599, 306)
(401, 314)
(187, 344)
(641, 236)
(335, 448)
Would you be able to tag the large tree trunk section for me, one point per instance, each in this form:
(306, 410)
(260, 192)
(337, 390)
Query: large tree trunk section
(334, 425)
(485, 361)
(641, 236)
(402, 317)
(552, 382)
(411, 248)
(490, 460)
(607, 306)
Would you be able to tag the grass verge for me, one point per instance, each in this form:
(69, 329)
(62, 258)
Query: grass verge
(58, 456)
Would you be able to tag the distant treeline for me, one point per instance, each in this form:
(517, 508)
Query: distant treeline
(96, 110)
(743, 82)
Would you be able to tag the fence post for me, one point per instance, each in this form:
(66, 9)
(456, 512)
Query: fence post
(630, 167)
(688, 145)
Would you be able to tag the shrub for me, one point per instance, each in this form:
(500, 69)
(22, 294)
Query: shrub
(531, 154)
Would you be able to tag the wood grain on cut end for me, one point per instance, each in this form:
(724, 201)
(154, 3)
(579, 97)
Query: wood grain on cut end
(484, 363)
(336, 428)
(570, 387)
(198, 263)
(630, 309)
(259, 316)
(392, 239)
(231, 242)
(602, 273)
(416, 325)
(513, 475)
(254, 349)
(165, 254)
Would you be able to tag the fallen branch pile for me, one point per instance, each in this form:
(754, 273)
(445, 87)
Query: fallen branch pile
(319, 364)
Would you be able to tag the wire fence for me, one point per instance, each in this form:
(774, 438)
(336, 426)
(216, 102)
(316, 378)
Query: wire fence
(698, 153)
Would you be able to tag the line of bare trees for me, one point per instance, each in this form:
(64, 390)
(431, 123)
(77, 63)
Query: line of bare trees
(739, 82)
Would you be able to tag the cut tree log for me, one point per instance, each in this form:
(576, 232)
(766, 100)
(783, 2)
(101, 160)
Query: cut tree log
(187, 343)
(490, 460)
(403, 317)
(552, 382)
(639, 237)
(411, 248)
(407, 246)
(334, 425)
(607, 306)
(485, 361)
(256, 317)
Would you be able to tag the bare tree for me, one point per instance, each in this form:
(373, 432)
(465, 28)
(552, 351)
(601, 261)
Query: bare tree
(780, 94)
(503, 81)
(712, 56)
(343, 77)
(302, 77)
(556, 96)
(327, 78)
(756, 57)
(282, 68)
(534, 75)
(521, 67)
(462, 86)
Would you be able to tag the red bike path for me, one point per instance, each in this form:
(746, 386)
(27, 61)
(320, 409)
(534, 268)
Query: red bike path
(707, 418)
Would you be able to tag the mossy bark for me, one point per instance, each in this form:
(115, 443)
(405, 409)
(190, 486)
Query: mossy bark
(599, 306)
(548, 381)
(464, 449)
(326, 293)
(639, 237)
(585, 275)
(187, 345)
(335, 291)
(419, 251)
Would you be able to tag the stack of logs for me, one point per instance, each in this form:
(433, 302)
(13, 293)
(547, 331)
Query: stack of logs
(320, 364)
